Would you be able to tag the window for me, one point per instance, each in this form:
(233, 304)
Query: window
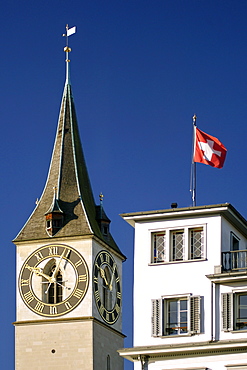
(178, 245)
(159, 247)
(55, 292)
(108, 362)
(175, 316)
(234, 311)
(52, 292)
(107, 293)
(234, 242)
(196, 243)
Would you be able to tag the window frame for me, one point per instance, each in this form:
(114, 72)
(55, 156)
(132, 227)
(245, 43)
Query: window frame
(229, 302)
(168, 251)
(159, 315)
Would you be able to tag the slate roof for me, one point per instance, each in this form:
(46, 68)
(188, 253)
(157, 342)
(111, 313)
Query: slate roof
(68, 173)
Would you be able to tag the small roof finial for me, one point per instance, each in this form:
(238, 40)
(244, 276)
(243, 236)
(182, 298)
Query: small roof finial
(55, 191)
(194, 119)
(101, 196)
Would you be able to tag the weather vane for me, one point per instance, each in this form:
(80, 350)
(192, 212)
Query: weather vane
(69, 32)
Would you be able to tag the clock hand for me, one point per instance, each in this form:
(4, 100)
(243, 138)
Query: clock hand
(102, 274)
(110, 285)
(63, 286)
(38, 271)
(58, 265)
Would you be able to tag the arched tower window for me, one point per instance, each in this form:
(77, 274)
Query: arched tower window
(52, 292)
(107, 294)
(55, 292)
(108, 362)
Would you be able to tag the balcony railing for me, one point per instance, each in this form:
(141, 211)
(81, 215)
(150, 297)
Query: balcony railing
(234, 260)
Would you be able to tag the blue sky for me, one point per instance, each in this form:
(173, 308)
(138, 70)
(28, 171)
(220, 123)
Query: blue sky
(140, 70)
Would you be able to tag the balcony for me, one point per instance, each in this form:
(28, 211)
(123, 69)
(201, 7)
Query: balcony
(234, 260)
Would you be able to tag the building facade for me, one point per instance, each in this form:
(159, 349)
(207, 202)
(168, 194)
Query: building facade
(69, 268)
(190, 289)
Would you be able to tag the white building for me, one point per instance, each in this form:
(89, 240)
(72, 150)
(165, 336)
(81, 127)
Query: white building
(190, 289)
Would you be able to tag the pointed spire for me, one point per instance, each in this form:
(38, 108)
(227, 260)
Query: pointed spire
(73, 197)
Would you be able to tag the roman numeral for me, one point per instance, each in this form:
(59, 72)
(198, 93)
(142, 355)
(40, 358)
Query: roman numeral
(78, 263)
(53, 250)
(119, 295)
(101, 310)
(39, 307)
(53, 310)
(97, 296)
(107, 316)
(82, 278)
(68, 305)
(39, 256)
(24, 282)
(107, 258)
(67, 253)
(29, 296)
(78, 293)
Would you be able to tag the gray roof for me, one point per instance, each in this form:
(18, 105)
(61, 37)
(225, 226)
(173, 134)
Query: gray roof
(224, 209)
(68, 173)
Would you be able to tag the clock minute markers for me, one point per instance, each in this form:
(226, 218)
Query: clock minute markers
(107, 289)
(50, 270)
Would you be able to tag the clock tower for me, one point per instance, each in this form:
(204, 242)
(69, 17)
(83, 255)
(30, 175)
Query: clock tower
(69, 268)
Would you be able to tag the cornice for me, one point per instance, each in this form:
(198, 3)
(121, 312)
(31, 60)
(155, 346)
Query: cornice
(66, 320)
(68, 239)
(188, 350)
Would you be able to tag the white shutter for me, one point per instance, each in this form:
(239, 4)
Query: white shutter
(227, 311)
(156, 317)
(194, 312)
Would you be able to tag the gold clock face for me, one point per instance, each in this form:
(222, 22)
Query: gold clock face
(107, 287)
(53, 280)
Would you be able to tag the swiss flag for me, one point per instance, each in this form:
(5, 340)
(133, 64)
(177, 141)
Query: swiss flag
(208, 149)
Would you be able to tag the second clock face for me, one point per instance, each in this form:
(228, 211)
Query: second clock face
(53, 280)
(107, 287)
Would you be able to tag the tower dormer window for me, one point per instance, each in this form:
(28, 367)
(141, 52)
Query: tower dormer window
(54, 222)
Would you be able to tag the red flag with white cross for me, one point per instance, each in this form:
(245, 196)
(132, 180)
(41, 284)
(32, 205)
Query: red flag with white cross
(208, 149)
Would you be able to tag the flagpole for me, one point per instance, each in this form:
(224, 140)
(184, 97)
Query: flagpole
(193, 166)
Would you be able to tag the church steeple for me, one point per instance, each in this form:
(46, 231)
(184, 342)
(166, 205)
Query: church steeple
(73, 198)
(68, 266)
